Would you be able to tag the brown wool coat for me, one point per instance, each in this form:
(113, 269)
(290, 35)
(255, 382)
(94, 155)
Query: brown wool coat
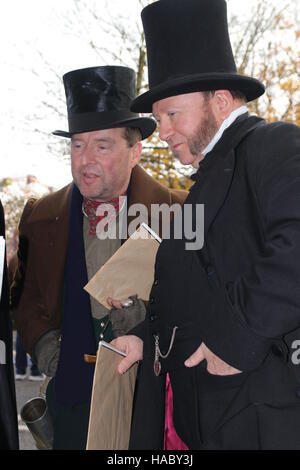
(36, 293)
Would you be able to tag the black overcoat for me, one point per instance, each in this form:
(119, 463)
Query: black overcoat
(8, 411)
(239, 294)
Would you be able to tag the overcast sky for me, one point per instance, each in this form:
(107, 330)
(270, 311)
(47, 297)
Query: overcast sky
(25, 27)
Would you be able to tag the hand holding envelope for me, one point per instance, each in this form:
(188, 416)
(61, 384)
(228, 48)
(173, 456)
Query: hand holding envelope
(129, 271)
(119, 303)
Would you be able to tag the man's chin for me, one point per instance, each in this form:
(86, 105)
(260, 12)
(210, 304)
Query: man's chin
(184, 159)
(89, 192)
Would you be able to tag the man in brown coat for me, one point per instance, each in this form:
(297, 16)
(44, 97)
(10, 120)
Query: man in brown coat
(60, 247)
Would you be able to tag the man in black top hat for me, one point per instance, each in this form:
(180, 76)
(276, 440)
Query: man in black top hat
(222, 319)
(61, 244)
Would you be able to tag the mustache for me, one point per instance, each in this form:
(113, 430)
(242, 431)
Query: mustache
(91, 170)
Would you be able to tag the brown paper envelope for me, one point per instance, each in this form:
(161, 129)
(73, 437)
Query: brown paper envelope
(130, 271)
(111, 404)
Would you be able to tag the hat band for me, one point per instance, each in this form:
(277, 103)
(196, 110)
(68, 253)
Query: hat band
(86, 121)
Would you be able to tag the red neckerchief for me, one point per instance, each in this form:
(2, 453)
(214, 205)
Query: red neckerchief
(90, 207)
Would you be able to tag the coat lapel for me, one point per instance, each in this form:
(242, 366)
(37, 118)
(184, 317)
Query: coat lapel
(215, 173)
(212, 185)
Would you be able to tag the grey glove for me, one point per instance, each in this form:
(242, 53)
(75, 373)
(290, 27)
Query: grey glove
(47, 351)
(126, 318)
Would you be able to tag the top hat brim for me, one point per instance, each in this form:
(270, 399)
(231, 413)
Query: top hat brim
(250, 87)
(146, 125)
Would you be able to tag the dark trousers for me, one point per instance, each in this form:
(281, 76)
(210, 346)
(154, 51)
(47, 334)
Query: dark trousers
(21, 359)
(70, 423)
(200, 400)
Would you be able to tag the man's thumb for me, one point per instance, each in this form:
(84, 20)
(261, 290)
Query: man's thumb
(125, 364)
(195, 358)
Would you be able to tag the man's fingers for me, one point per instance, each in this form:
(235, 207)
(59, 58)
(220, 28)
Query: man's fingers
(195, 358)
(133, 347)
(118, 304)
(114, 303)
(125, 364)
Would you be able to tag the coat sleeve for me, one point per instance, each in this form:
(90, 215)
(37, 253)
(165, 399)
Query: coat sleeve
(263, 304)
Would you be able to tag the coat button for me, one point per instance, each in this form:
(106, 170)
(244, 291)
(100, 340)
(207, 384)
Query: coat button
(101, 336)
(152, 300)
(153, 317)
(155, 282)
(102, 324)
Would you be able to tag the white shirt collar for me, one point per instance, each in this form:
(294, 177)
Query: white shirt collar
(228, 121)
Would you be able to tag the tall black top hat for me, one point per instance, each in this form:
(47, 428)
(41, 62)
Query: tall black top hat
(99, 98)
(188, 50)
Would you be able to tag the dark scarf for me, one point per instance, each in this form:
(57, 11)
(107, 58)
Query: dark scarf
(74, 377)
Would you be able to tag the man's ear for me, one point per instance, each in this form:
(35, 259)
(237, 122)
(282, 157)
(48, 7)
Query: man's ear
(223, 104)
(136, 152)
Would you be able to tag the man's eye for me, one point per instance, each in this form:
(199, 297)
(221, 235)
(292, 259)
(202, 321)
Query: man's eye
(76, 145)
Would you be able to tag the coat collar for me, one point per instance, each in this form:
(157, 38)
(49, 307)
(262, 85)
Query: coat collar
(235, 133)
(214, 176)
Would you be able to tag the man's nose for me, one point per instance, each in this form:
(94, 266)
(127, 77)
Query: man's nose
(165, 130)
(87, 155)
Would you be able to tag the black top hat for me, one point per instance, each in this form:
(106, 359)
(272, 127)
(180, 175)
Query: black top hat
(99, 98)
(188, 50)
